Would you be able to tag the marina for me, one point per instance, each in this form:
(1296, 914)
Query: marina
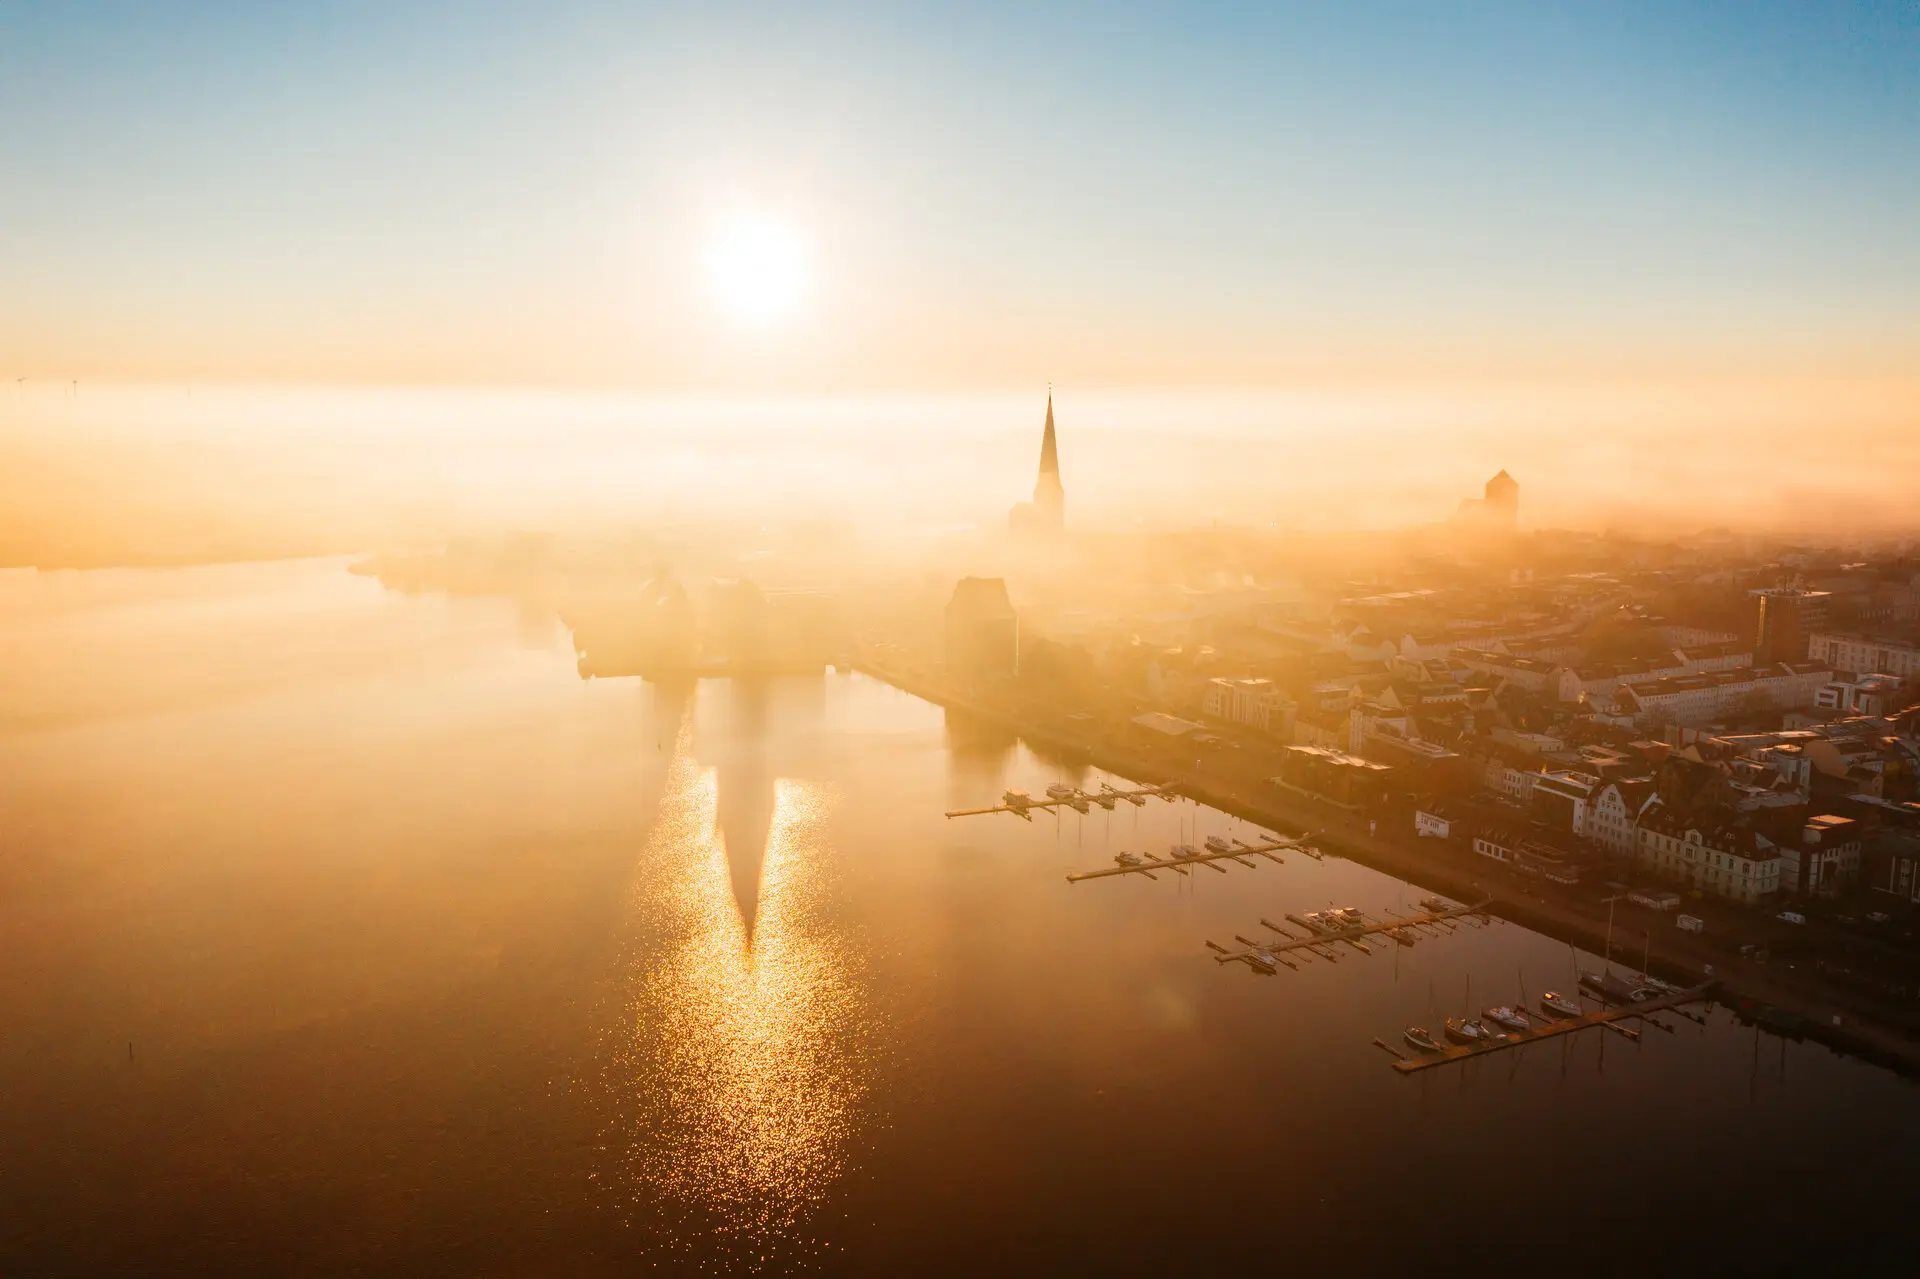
(1180, 857)
(1320, 936)
(1606, 1017)
(1060, 795)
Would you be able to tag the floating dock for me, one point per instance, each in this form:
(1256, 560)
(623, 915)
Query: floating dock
(1148, 863)
(1257, 957)
(1078, 800)
(1606, 1017)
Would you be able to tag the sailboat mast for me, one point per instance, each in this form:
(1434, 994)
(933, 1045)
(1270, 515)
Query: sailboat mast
(1606, 963)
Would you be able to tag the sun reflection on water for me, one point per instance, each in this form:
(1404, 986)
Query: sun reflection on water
(746, 1052)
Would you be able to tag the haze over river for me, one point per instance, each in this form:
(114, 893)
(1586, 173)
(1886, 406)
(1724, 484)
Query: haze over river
(348, 932)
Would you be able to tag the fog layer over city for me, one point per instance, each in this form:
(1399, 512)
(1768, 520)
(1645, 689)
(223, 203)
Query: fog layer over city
(106, 475)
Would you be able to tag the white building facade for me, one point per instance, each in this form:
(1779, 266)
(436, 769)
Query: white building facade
(1864, 655)
(1255, 703)
(1724, 863)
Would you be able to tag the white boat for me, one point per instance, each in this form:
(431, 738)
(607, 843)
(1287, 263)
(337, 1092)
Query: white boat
(1060, 790)
(1560, 1006)
(1506, 1017)
(1184, 851)
(1436, 904)
(1216, 844)
(1420, 1039)
(1016, 799)
(1127, 859)
(1468, 1032)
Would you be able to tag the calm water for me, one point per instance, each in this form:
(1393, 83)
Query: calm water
(344, 932)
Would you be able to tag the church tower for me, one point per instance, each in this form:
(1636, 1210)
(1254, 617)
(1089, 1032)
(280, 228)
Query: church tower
(1049, 497)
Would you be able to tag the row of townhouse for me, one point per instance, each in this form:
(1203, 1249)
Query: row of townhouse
(1726, 861)
(1522, 672)
(1571, 683)
(1865, 654)
(1817, 855)
(1698, 699)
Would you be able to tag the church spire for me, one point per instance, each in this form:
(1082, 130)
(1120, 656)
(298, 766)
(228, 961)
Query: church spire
(1049, 497)
(1049, 451)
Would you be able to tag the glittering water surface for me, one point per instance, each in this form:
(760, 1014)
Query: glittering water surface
(346, 932)
(745, 1030)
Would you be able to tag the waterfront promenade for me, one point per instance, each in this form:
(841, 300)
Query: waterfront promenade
(1832, 1016)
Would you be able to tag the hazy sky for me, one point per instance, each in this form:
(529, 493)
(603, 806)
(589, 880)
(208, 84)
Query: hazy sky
(985, 196)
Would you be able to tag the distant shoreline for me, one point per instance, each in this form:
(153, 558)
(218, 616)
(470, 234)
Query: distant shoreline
(166, 561)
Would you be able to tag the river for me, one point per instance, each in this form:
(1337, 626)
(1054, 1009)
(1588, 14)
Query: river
(343, 931)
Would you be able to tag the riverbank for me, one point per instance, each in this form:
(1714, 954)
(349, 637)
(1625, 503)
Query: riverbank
(1768, 995)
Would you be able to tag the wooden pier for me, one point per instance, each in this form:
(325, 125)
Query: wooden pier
(1606, 1017)
(1257, 957)
(1080, 801)
(1178, 863)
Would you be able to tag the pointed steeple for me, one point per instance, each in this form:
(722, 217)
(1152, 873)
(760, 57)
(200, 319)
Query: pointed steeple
(1049, 497)
(1049, 451)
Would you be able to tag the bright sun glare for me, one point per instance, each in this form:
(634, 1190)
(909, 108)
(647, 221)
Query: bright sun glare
(757, 269)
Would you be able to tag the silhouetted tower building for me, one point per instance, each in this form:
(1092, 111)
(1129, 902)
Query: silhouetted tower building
(1497, 511)
(1049, 496)
(1503, 499)
(983, 631)
(1784, 617)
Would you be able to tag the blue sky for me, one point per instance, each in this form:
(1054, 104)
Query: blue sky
(989, 194)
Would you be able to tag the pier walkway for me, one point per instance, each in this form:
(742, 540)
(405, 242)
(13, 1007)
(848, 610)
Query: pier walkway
(1079, 801)
(1148, 863)
(1263, 957)
(1564, 1026)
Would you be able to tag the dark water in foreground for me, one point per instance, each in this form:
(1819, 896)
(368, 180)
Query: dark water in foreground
(433, 958)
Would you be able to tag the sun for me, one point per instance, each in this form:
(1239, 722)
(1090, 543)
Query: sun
(757, 269)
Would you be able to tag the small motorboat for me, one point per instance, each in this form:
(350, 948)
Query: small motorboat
(1184, 851)
(1420, 1040)
(1060, 790)
(1436, 904)
(1560, 1006)
(1016, 799)
(1506, 1017)
(1468, 1032)
(1126, 859)
(1218, 844)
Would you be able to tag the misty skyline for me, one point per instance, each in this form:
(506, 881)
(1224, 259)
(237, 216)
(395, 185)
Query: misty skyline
(985, 199)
